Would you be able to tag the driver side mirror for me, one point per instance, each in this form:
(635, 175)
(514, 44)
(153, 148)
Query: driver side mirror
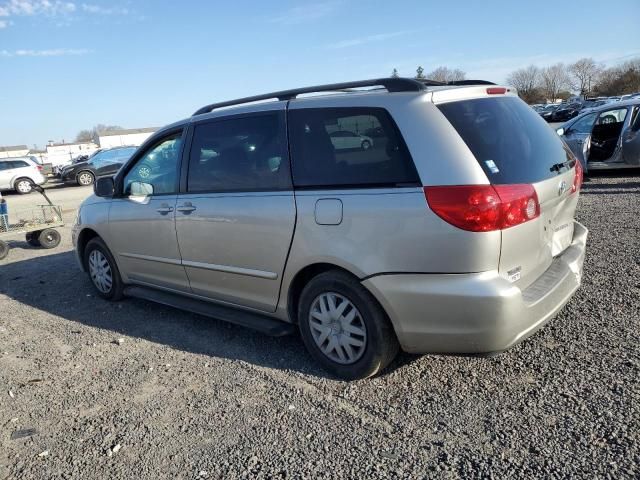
(140, 189)
(561, 131)
(104, 187)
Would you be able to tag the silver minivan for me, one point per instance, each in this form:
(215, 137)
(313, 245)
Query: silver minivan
(451, 231)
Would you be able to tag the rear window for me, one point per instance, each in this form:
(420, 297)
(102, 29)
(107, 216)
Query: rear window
(348, 148)
(510, 141)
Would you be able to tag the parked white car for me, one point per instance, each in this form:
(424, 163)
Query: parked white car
(20, 174)
(345, 140)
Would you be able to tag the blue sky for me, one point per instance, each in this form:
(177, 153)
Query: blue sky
(66, 65)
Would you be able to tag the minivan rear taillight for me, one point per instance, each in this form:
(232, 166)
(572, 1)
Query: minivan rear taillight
(577, 178)
(39, 167)
(484, 208)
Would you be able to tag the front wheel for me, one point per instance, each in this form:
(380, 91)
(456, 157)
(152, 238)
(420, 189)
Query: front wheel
(344, 328)
(23, 186)
(85, 179)
(103, 270)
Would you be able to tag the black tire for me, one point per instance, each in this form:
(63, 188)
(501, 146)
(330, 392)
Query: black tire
(33, 239)
(4, 249)
(49, 238)
(115, 292)
(365, 145)
(20, 186)
(381, 344)
(85, 178)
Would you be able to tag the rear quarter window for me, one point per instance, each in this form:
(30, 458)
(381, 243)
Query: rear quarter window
(348, 148)
(510, 141)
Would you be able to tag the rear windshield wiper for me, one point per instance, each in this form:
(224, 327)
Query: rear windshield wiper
(556, 167)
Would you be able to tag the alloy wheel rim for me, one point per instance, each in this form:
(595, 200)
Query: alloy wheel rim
(24, 187)
(337, 328)
(144, 172)
(100, 271)
(85, 179)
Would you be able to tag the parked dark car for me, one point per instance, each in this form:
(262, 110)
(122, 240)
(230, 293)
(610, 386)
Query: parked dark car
(547, 111)
(566, 112)
(107, 162)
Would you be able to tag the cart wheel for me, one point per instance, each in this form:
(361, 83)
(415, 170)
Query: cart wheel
(33, 238)
(4, 249)
(49, 238)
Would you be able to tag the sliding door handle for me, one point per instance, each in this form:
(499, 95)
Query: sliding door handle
(186, 208)
(164, 209)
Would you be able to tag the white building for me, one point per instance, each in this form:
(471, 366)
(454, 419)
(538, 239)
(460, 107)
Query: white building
(118, 138)
(14, 151)
(63, 153)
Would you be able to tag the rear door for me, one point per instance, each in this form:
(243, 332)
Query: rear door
(236, 213)
(5, 175)
(514, 146)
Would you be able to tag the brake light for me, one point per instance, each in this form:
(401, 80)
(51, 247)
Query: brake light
(484, 208)
(577, 178)
(39, 167)
(496, 90)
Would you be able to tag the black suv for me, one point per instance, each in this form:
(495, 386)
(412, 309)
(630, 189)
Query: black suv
(103, 163)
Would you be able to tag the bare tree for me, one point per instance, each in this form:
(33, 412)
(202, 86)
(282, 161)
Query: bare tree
(620, 80)
(444, 74)
(92, 134)
(394, 74)
(584, 75)
(527, 82)
(554, 79)
(420, 73)
(84, 136)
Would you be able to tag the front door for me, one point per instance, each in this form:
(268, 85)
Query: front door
(142, 230)
(577, 137)
(236, 218)
(631, 139)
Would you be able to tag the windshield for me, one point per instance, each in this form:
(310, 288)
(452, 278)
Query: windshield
(510, 141)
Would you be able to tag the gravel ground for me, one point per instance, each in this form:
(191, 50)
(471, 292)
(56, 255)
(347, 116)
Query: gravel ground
(189, 397)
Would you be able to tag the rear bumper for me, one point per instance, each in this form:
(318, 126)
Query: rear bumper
(477, 312)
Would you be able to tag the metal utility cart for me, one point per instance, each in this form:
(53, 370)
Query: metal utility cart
(38, 224)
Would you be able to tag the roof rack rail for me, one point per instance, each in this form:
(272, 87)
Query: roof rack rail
(470, 82)
(391, 84)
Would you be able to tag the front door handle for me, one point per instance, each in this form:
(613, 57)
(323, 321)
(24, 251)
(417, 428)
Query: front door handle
(187, 208)
(164, 209)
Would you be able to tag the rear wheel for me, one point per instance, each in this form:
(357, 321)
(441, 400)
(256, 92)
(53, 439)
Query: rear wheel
(85, 178)
(344, 328)
(23, 186)
(32, 238)
(49, 238)
(4, 249)
(103, 270)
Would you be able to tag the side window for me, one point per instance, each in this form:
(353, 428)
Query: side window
(18, 164)
(240, 154)
(157, 170)
(331, 148)
(5, 166)
(585, 124)
(612, 116)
